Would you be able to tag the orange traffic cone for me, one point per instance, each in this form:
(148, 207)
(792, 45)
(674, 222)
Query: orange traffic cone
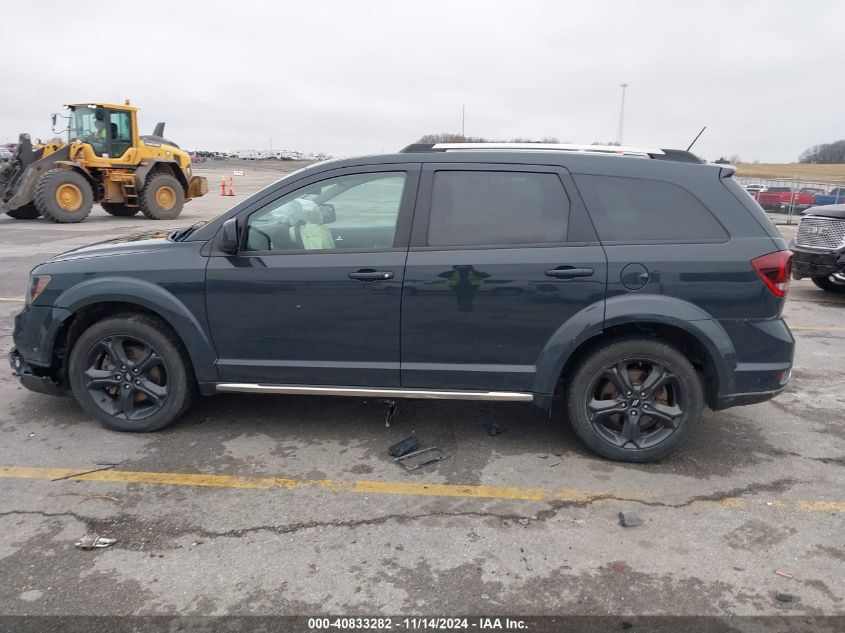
(222, 185)
(231, 191)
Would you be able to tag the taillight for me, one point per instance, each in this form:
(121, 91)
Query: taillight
(774, 269)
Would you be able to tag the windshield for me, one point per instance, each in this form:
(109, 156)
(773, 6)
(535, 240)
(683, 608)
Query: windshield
(88, 125)
(82, 123)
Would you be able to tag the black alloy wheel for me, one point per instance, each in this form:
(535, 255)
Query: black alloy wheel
(635, 403)
(126, 378)
(634, 399)
(132, 373)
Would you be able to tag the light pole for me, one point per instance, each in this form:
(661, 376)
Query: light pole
(463, 120)
(621, 114)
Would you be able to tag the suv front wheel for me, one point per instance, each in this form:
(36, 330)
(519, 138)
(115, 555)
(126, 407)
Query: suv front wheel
(634, 400)
(131, 373)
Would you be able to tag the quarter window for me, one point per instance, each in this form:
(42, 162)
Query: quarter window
(348, 212)
(497, 208)
(641, 210)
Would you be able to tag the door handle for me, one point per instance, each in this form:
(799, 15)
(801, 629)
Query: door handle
(568, 272)
(368, 274)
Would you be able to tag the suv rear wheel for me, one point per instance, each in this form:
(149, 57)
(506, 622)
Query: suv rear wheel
(831, 283)
(634, 400)
(131, 374)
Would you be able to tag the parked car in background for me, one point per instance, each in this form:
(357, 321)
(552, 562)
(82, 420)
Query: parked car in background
(782, 198)
(819, 247)
(5, 154)
(834, 196)
(804, 199)
(754, 188)
(633, 288)
(772, 197)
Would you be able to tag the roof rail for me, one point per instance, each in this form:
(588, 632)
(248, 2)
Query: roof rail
(612, 150)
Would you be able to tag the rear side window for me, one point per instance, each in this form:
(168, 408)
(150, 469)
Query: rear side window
(640, 210)
(473, 208)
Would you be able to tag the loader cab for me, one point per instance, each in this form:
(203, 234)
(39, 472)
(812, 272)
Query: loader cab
(110, 130)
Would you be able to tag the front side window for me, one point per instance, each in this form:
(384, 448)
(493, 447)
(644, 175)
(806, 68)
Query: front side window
(642, 210)
(473, 208)
(347, 212)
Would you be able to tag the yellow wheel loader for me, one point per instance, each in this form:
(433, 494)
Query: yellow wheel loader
(105, 161)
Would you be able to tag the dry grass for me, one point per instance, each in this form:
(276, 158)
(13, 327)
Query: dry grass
(774, 171)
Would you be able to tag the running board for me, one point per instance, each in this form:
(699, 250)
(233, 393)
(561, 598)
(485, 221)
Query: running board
(384, 392)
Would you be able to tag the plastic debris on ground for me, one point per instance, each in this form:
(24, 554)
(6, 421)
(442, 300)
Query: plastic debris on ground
(92, 541)
(404, 447)
(418, 459)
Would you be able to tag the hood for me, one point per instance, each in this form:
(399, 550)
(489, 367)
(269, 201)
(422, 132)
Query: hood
(135, 243)
(828, 210)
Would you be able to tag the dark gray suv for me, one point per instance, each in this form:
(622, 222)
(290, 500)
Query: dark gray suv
(632, 286)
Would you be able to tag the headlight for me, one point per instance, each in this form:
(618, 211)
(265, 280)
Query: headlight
(37, 284)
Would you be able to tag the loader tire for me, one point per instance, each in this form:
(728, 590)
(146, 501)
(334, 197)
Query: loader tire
(119, 210)
(162, 197)
(63, 196)
(26, 212)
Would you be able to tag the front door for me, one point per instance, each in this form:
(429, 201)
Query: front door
(313, 298)
(500, 259)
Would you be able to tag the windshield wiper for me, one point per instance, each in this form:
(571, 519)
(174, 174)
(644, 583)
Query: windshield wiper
(180, 234)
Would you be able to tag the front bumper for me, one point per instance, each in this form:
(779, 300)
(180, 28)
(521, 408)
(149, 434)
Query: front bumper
(816, 263)
(32, 359)
(29, 379)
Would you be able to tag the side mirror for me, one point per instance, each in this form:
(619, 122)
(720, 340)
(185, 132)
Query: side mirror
(229, 242)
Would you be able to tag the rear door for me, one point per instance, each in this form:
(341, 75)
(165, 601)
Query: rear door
(501, 256)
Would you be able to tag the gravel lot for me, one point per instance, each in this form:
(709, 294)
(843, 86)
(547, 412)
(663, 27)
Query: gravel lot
(292, 505)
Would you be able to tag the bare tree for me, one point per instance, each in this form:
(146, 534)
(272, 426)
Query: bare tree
(826, 153)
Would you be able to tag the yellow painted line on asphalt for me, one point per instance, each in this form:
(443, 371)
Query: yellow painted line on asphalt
(406, 488)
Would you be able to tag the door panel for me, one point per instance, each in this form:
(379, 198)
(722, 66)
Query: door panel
(478, 319)
(297, 305)
(475, 315)
(300, 319)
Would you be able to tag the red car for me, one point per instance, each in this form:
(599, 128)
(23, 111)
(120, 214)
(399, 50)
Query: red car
(782, 198)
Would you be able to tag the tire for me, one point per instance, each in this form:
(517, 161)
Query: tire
(155, 395)
(119, 210)
(63, 196)
(162, 197)
(27, 212)
(832, 283)
(624, 428)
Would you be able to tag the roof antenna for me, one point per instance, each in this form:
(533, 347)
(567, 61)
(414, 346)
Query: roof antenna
(696, 138)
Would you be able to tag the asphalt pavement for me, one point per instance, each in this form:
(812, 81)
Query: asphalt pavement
(291, 505)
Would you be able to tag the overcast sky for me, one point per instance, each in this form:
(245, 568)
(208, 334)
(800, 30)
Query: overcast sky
(364, 76)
